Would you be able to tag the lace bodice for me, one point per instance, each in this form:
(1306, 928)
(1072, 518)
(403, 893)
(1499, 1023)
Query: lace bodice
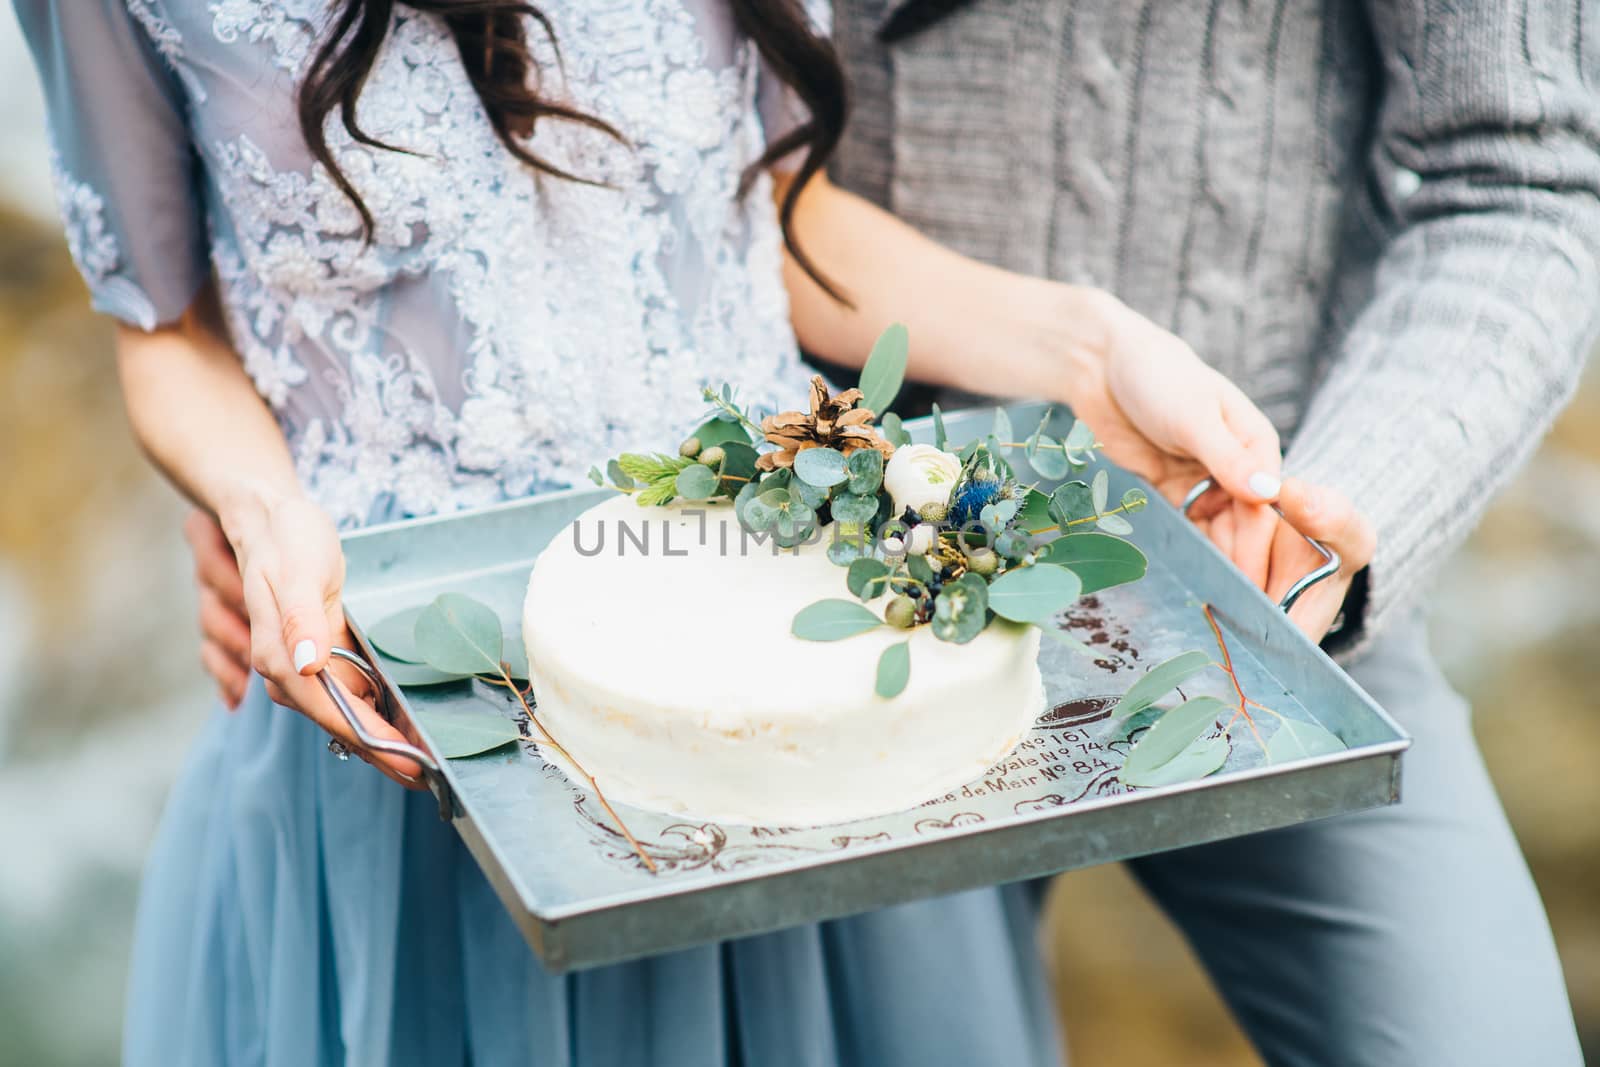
(502, 331)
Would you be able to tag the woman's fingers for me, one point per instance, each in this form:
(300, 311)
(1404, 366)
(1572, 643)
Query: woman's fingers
(308, 696)
(1235, 443)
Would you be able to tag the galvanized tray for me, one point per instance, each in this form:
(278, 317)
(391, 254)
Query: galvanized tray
(582, 898)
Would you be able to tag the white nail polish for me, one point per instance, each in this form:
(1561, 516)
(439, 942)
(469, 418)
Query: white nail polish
(1265, 485)
(304, 653)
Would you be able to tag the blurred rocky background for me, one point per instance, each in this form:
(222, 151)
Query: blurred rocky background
(101, 692)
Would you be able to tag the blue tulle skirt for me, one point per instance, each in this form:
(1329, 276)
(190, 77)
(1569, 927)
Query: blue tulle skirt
(300, 912)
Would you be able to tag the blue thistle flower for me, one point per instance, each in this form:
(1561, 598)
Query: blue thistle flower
(971, 496)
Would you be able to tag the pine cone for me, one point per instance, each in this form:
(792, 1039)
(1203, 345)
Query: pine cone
(833, 422)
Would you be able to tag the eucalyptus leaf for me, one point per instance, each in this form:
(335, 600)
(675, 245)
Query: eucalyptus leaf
(1034, 594)
(1071, 502)
(893, 431)
(1201, 757)
(739, 460)
(960, 611)
(465, 731)
(619, 477)
(821, 467)
(1001, 432)
(1046, 457)
(939, 438)
(1079, 440)
(415, 674)
(1100, 561)
(1171, 734)
(1013, 544)
(1035, 512)
(720, 429)
(843, 551)
(848, 507)
(596, 477)
(865, 471)
(1301, 740)
(832, 620)
(697, 482)
(459, 635)
(1160, 680)
(894, 669)
(806, 495)
(1099, 488)
(395, 636)
(1114, 524)
(1134, 499)
(919, 568)
(863, 579)
(885, 370)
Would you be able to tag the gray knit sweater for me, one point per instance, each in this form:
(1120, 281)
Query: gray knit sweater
(1381, 219)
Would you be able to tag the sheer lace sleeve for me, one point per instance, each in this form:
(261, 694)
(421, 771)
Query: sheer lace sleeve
(125, 173)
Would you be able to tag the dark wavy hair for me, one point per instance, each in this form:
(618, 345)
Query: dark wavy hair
(491, 37)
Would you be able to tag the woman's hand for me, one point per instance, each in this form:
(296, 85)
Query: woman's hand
(278, 557)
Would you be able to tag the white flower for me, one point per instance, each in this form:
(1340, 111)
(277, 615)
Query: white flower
(920, 541)
(918, 475)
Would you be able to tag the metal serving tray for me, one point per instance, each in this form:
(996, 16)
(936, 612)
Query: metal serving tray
(582, 898)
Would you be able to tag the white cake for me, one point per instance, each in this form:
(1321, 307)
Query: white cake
(671, 674)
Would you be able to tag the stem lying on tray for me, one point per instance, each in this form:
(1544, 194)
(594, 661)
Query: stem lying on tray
(533, 720)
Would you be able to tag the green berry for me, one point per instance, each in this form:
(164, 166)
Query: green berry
(690, 448)
(983, 561)
(934, 512)
(712, 456)
(901, 612)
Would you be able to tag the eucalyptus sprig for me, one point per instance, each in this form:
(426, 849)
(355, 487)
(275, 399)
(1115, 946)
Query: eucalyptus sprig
(1185, 742)
(463, 638)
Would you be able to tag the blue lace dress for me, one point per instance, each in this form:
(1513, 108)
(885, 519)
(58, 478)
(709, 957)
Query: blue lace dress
(496, 335)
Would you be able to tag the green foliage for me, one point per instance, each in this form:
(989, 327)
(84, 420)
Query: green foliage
(894, 669)
(1160, 680)
(1035, 593)
(1079, 444)
(1099, 488)
(465, 731)
(1071, 502)
(618, 476)
(659, 492)
(1301, 740)
(1099, 561)
(644, 467)
(1202, 756)
(960, 611)
(919, 568)
(848, 507)
(1172, 733)
(395, 635)
(865, 577)
(1114, 524)
(414, 675)
(890, 427)
(1134, 500)
(596, 477)
(821, 467)
(885, 369)
(459, 635)
(832, 620)
(939, 437)
(696, 482)
(865, 471)
(1001, 431)
(721, 429)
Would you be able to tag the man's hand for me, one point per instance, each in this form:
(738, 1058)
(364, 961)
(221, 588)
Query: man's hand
(1162, 413)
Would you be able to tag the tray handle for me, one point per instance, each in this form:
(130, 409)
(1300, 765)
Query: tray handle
(1331, 561)
(432, 774)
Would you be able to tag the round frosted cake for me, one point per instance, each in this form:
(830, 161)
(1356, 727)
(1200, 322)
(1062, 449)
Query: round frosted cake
(661, 658)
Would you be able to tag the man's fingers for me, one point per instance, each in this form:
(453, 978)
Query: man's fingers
(227, 628)
(214, 564)
(1327, 515)
(231, 677)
